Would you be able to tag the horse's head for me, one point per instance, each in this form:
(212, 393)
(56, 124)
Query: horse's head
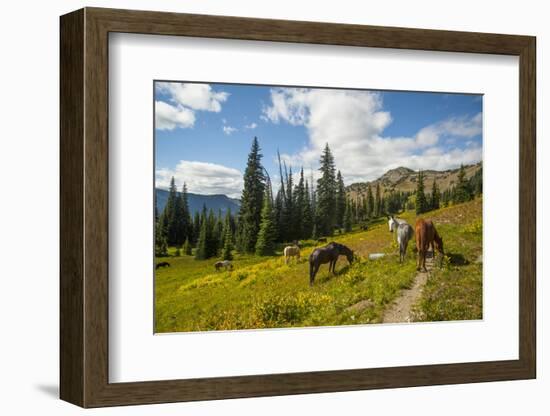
(392, 223)
(439, 244)
(349, 256)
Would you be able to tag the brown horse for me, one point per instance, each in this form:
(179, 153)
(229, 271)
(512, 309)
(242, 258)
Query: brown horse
(426, 236)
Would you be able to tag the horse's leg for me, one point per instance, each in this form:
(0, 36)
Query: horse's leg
(313, 273)
(286, 259)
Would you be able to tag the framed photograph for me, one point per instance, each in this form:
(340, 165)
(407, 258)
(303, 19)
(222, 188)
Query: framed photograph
(255, 207)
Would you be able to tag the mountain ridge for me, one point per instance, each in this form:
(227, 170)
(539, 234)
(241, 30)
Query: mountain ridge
(403, 179)
(215, 202)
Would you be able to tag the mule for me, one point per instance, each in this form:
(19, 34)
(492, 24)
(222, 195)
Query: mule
(291, 251)
(226, 264)
(426, 237)
(327, 254)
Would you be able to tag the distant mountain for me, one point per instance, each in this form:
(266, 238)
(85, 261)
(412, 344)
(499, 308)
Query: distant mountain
(404, 180)
(196, 202)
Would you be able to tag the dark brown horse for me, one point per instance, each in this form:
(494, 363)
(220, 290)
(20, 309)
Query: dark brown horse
(327, 254)
(426, 236)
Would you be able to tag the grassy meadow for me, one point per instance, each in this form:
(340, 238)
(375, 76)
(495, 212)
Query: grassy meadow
(264, 292)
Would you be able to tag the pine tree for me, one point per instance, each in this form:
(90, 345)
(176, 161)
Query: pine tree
(476, 182)
(307, 215)
(278, 215)
(207, 244)
(186, 225)
(421, 202)
(340, 200)
(202, 245)
(265, 245)
(187, 249)
(300, 195)
(170, 214)
(161, 245)
(196, 228)
(378, 202)
(435, 197)
(326, 194)
(251, 201)
(462, 191)
(289, 220)
(347, 218)
(227, 238)
(370, 203)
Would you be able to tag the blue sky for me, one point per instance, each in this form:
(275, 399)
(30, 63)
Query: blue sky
(203, 132)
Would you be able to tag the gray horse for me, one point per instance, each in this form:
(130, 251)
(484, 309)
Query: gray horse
(327, 254)
(404, 233)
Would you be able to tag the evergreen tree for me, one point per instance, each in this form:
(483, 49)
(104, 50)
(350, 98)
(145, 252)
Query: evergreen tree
(370, 202)
(462, 191)
(196, 228)
(161, 245)
(347, 218)
(326, 194)
(340, 200)
(307, 215)
(289, 220)
(251, 201)
(207, 244)
(300, 195)
(227, 238)
(265, 245)
(186, 225)
(278, 214)
(421, 202)
(435, 196)
(202, 245)
(187, 249)
(476, 182)
(378, 202)
(170, 214)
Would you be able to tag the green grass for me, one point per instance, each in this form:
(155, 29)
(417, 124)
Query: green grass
(263, 292)
(455, 290)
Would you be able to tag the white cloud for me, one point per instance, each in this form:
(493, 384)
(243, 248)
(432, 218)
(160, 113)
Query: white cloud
(168, 117)
(229, 130)
(251, 126)
(353, 123)
(203, 178)
(194, 96)
(184, 100)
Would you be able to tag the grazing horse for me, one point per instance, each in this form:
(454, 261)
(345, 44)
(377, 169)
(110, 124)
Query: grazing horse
(225, 264)
(327, 254)
(404, 234)
(291, 251)
(162, 264)
(426, 236)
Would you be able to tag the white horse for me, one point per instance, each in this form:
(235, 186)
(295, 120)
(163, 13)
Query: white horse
(404, 233)
(291, 251)
(393, 223)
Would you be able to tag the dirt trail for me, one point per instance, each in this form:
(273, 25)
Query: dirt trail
(400, 310)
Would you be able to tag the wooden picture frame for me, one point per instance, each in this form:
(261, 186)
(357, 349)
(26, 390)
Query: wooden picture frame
(84, 207)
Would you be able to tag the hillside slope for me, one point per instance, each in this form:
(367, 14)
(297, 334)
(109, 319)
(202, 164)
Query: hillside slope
(404, 180)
